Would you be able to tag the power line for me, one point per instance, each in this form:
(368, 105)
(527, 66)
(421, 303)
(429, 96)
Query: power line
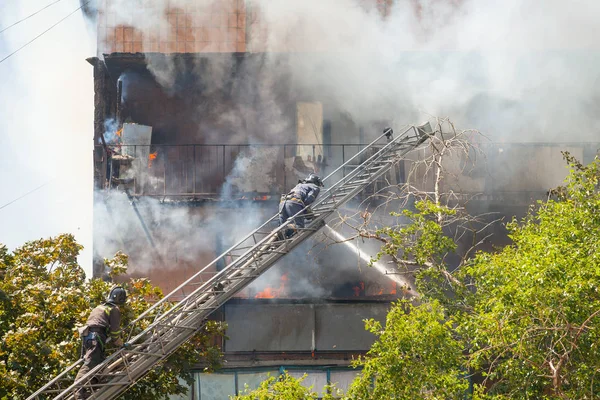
(32, 40)
(28, 193)
(29, 16)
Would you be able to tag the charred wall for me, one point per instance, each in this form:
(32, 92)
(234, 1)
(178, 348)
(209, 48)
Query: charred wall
(225, 98)
(220, 98)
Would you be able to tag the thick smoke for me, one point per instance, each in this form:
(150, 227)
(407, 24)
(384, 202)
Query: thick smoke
(251, 172)
(164, 235)
(517, 70)
(513, 69)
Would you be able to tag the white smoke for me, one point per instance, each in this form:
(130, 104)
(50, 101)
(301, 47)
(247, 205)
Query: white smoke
(167, 235)
(253, 171)
(516, 69)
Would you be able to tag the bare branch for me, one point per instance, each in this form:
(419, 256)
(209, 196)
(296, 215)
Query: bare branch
(434, 174)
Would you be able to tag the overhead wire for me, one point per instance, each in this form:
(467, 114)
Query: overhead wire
(29, 16)
(38, 36)
(26, 194)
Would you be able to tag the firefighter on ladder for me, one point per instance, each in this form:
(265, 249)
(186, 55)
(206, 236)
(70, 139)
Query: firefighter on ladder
(104, 323)
(301, 196)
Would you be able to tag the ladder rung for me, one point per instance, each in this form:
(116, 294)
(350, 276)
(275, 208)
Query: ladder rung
(144, 353)
(278, 252)
(241, 278)
(322, 206)
(237, 278)
(176, 326)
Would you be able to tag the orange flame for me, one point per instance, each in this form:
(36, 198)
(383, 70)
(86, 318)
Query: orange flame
(120, 132)
(359, 289)
(268, 293)
(151, 157)
(271, 293)
(388, 290)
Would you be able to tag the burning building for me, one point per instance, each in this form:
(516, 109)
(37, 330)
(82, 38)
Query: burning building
(205, 112)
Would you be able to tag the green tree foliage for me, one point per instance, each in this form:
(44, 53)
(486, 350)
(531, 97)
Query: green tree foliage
(522, 322)
(43, 297)
(285, 387)
(415, 357)
(534, 320)
(420, 240)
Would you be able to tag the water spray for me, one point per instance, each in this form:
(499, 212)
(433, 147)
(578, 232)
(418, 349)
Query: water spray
(366, 258)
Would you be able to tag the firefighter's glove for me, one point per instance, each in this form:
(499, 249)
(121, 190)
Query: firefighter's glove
(118, 342)
(309, 214)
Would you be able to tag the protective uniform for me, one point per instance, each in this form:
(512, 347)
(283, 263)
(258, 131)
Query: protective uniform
(302, 195)
(104, 322)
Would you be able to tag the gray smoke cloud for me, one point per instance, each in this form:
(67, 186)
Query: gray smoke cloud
(515, 70)
(166, 235)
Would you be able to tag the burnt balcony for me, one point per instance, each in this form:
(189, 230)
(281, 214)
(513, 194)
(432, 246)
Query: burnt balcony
(215, 172)
(521, 171)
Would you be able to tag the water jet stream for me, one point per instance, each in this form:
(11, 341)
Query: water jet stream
(381, 268)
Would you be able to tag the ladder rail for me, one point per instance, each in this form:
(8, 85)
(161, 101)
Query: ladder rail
(174, 326)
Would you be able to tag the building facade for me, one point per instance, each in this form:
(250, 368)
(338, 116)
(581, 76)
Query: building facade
(204, 115)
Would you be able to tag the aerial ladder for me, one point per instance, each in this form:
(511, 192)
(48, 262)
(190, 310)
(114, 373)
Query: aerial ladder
(173, 320)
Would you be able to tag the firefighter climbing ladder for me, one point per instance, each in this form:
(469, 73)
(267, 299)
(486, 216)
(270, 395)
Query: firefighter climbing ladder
(172, 321)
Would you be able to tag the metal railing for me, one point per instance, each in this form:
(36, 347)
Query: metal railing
(220, 171)
(206, 170)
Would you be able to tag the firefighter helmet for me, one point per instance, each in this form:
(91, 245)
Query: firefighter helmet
(312, 178)
(117, 295)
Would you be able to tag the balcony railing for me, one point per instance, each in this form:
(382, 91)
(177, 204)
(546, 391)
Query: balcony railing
(206, 171)
(213, 171)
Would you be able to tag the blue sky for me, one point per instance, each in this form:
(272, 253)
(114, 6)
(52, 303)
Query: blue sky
(46, 124)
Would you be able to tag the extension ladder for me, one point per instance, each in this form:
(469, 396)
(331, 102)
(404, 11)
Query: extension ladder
(173, 320)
